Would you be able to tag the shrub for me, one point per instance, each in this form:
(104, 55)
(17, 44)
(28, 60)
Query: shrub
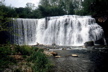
(5, 59)
(24, 50)
(32, 55)
(39, 60)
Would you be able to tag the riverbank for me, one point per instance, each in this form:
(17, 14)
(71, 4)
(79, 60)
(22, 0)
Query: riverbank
(91, 59)
(57, 58)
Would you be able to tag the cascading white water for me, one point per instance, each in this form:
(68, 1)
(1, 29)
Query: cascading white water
(68, 30)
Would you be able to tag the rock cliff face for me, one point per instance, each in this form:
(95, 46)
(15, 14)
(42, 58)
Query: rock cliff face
(102, 20)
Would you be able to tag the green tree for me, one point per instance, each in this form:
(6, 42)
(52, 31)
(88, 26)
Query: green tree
(4, 18)
(4, 26)
(57, 7)
(36, 14)
(30, 6)
(23, 12)
(95, 7)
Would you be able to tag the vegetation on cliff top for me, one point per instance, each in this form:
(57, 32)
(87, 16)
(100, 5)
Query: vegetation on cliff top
(56, 8)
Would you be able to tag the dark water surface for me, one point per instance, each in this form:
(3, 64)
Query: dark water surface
(94, 60)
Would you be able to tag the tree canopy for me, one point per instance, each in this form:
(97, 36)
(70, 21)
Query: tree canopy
(56, 8)
(92, 7)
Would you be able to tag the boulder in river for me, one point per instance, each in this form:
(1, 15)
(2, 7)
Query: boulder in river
(89, 43)
(54, 53)
(74, 55)
(57, 56)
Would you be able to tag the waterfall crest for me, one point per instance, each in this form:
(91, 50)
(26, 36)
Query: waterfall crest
(68, 30)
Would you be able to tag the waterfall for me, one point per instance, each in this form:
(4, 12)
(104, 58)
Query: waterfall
(67, 30)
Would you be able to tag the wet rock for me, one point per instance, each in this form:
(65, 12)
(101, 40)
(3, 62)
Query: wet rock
(89, 43)
(64, 48)
(53, 44)
(74, 55)
(84, 46)
(37, 44)
(57, 56)
(54, 53)
(47, 53)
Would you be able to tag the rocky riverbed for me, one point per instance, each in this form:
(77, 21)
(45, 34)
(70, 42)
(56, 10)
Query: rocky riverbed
(91, 59)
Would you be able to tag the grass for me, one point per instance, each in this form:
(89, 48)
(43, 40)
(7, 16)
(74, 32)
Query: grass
(24, 57)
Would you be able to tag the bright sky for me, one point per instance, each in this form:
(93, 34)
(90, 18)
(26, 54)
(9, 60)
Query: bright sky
(20, 3)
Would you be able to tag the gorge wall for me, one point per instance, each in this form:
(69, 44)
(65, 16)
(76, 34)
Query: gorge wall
(102, 20)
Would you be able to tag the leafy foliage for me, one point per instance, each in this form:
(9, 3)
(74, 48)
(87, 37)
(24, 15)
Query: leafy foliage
(4, 18)
(24, 50)
(5, 59)
(95, 7)
(33, 56)
(39, 60)
(46, 8)
(56, 8)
